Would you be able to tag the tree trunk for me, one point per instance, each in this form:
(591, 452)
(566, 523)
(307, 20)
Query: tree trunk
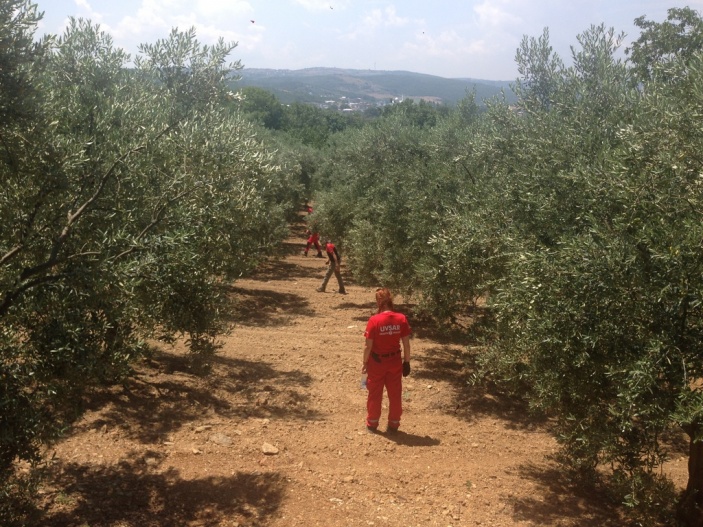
(690, 508)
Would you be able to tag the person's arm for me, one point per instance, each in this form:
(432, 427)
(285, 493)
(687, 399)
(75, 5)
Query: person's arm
(406, 348)
(406, 356)
(367, 353)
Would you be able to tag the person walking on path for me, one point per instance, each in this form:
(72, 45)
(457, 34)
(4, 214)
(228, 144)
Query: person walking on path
(334, 263)
(313, 239)
(383, 363)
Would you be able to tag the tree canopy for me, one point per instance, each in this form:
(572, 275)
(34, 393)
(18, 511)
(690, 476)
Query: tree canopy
(128, 195)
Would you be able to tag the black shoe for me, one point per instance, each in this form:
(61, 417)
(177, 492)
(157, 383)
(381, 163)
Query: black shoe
(391, 431)
(320, 290)
(371, 429)
(320, 256)
(342, 292)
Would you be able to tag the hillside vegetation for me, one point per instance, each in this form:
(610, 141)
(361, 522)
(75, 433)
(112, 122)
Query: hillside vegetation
(316, 85)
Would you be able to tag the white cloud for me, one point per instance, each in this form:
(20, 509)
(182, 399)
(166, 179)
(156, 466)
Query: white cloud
(319, 5)
(392, 19)
(493, 15)
(86, 11)
(209, 33)
(378, 18)
(373, 20)
(216, 9)
(384, 18)
(446, 44)
(212, 19)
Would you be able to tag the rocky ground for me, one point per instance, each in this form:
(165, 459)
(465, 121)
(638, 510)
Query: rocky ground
(275, 435)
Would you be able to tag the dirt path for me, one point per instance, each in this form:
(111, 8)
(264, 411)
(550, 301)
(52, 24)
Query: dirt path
(174, 449)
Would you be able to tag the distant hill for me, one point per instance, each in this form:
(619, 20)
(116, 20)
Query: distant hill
(316, 85)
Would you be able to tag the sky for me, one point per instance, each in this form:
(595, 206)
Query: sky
(449, 38)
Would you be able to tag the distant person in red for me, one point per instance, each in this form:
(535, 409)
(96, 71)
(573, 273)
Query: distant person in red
(308, 209)
(334, 261)
(313, 239)
(383, 361)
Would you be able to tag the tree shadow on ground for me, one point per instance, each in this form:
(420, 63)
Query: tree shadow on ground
(470, 401)
(676, 441)
(275, 269)
(445, 333)
(299, 226)
(442, 363)
(560, 498)
(138, 492)
(369, 309)
(450, 362)
(422, 327)
(366, 310)
(150, 405)
(295, 248)
(261, 308)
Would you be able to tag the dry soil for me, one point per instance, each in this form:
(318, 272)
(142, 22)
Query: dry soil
(275, 436)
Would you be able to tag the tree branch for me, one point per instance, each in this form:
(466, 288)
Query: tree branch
(11, 296)
(156, 218)
(72, 218)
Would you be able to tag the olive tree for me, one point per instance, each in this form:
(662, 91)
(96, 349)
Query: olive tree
(382, 196)
(598, 312)
(128, 196)
(678, 39)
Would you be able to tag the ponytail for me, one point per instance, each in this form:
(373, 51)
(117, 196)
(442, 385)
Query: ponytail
(384, 299)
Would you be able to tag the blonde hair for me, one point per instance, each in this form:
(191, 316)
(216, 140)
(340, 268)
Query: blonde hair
(384, 299)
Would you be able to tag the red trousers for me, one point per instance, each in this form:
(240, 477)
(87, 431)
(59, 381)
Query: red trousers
(313, 240)
(317, 246)
(389, 374)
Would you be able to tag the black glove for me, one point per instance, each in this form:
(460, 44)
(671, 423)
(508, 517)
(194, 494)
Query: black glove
(406, 368)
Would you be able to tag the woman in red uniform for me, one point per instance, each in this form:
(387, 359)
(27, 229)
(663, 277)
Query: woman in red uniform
(383, 361)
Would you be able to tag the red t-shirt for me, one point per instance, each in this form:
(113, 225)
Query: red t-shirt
(386, 329)
(331, 250)
(314, 237)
